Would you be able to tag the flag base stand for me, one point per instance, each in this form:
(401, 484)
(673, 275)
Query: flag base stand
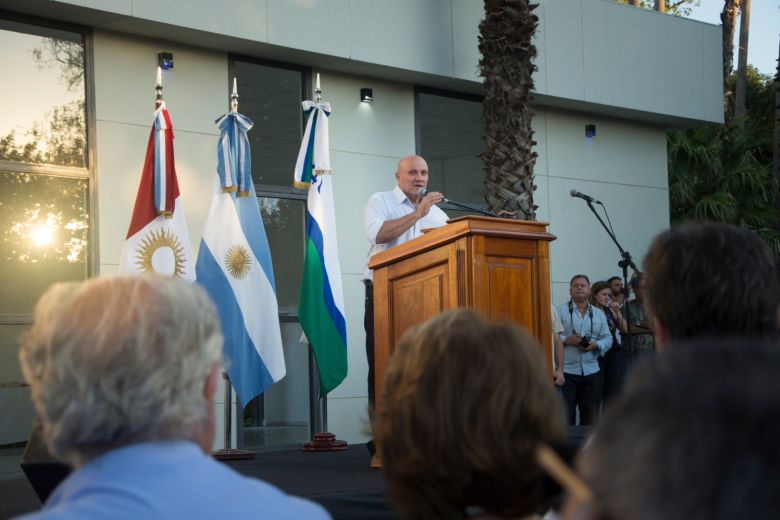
(231, 454)
(228, 453)
(321, 440)
(324, 441)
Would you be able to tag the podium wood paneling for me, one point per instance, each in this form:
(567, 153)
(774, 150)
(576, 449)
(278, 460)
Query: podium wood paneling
(498, 266)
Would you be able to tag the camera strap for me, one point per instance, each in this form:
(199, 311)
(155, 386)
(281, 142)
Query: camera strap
(571, 318)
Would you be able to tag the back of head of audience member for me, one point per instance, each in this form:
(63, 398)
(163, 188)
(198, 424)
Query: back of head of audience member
(694, 436)
(710, 279)
(118, 360)
(465, 403)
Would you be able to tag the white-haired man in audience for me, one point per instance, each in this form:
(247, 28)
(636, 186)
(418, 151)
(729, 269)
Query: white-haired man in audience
(123, 372)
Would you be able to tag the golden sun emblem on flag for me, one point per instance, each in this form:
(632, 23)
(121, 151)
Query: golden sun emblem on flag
(160, 240)
(238, 261)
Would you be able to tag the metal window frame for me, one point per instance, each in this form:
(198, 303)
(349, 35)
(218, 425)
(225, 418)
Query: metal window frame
(88, 173)
(418, 89)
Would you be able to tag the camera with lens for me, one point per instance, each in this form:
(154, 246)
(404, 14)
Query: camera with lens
(585, 341)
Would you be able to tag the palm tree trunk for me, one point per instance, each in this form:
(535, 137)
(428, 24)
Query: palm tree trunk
(744, 33)
(728, 17)
(660, 6)
(505, 42)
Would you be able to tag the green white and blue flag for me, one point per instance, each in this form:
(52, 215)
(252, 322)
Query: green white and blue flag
(321, 306)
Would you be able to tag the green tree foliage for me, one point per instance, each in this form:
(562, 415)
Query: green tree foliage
(723, 172)
(60, 137)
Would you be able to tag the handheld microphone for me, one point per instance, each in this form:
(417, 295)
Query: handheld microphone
(587, 198)
(423, 192)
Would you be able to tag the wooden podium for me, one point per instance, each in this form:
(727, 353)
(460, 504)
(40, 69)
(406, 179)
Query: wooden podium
(498, 266)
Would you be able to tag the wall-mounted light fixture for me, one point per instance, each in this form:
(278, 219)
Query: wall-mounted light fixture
(165, 60)
(590, 131)
(366, 95)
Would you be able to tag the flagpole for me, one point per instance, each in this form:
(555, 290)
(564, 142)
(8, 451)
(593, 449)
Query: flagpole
(317, 402)
(228, 453)
(158, 89)
(322, 439)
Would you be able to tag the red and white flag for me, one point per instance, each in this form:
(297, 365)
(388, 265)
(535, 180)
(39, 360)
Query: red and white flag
(157, 239)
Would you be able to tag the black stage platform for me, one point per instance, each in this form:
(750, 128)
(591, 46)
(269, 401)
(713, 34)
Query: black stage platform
(343, 482)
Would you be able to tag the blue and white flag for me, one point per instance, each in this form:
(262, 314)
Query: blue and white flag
(234, 266)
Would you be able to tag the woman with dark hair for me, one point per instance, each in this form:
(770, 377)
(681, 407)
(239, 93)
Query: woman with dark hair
(465, 404)
(611, 364)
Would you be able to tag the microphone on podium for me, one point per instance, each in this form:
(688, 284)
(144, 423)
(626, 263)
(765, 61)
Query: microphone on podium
(422, 192)
(586, 198)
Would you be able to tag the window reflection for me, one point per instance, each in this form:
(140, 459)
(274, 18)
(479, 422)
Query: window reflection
(43, 105)
(43, 235)
(283, 220)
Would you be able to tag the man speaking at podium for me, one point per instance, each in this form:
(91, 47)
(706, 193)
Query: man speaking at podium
(392, 218)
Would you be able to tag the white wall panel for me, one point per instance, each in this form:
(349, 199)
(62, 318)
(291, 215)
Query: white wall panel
(590, 52)
(241, 18)
(637, 215)
(384, 127)
(562, 61)
(320, 26)
(196, 90)
(348, 419)
(621, 152)
(124, 7)
(407, 34)
(465, 44)
(636, 59)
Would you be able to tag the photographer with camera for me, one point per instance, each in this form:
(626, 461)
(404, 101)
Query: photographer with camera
(585, 337)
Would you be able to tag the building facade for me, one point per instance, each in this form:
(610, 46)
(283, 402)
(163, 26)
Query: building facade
(77, 105)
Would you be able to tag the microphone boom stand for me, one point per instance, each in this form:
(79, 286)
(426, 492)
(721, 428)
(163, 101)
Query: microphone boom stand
(469, 208)
(625, 262)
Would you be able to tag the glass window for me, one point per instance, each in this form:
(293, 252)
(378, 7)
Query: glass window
(44, 190)
(43, 236)
(43, 96)
(271, 96)
(450, 140)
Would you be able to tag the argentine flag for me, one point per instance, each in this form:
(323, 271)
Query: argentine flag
(321, 306)
(234, 266)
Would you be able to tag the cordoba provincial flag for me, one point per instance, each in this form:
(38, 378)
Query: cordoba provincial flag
(234, 266)
(157, 239)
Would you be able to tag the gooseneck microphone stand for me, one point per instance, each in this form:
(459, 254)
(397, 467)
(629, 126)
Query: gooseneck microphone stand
(469, 208)
(423, 192)
(625, 262)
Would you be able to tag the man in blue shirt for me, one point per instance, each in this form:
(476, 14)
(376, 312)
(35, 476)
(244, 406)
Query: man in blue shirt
(585, 337)
(123, 372)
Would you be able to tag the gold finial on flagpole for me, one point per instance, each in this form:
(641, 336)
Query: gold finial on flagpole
(158, 89)
(317, 90)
